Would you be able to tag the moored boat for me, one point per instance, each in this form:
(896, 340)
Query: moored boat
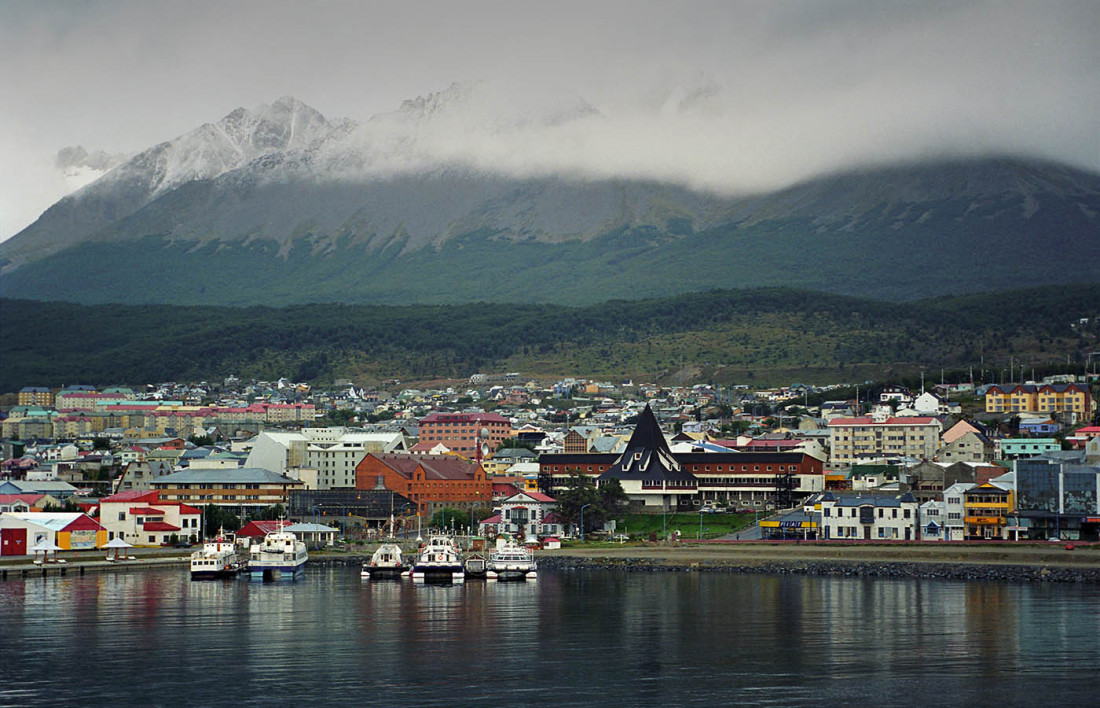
(439, 561)
(511, 561)
(386, 563)
(279, 555)
(216, 559)
(476, 566)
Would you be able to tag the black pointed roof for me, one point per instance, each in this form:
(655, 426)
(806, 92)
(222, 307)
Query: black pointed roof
(647, 455)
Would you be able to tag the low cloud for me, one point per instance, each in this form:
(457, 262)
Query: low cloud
(726, 96)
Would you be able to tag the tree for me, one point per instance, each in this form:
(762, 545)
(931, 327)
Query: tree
(510, 443)
(271, 513)
(200, 440)
(580, 492)
(217, 518)
(613, 500)
(450, 518)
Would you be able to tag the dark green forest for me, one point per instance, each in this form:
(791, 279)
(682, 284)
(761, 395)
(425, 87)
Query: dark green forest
(770, 335)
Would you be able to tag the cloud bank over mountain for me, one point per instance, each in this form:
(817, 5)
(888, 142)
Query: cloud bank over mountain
(729, 97)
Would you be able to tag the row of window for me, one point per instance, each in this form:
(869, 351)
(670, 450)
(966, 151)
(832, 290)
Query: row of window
(881, 513)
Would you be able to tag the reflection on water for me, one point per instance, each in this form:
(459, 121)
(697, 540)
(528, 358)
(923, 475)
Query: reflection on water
(587, 638)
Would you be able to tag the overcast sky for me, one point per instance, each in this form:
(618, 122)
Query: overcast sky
(788, 89)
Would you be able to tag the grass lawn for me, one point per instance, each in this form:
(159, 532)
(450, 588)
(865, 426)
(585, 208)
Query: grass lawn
(713, 525)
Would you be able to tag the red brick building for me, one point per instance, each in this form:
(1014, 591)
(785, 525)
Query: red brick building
(460, 431)
(431, 482)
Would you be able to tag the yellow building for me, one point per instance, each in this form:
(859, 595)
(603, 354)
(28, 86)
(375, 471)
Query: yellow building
(985, 511)
(1069, 398)
(36, 396)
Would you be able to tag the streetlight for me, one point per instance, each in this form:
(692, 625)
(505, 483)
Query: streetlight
(583, 507)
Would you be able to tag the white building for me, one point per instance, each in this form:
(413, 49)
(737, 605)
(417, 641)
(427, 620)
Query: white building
(869, 517)
(954, 509)
(141, 518)
(933, 521)
(333, 452)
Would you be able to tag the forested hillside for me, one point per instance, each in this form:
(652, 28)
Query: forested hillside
(754, 336)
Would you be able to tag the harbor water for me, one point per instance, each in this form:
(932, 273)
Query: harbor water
(594, 637)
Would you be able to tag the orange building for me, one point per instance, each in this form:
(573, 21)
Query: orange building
(429, 481)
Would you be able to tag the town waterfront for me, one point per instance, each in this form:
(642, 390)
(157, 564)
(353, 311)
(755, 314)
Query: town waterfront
(592, 637)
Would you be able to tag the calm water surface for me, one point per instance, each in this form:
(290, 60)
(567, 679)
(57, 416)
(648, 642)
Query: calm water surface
(580, 638)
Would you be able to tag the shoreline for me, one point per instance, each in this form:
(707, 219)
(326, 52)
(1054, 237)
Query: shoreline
(992, 562)
(997, 562)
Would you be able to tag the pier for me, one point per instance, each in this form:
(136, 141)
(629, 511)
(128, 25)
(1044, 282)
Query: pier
(24, 568)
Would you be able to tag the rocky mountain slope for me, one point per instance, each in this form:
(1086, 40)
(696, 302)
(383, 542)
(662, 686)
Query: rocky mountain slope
(281, 205)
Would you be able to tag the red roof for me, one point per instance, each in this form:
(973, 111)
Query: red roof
(439, 417)
(31, 499)
(188, 510)
(158, 526)
(84, 523)
(494, 519)
(540, 497)
(133, 496)
(145, 511)
(259, 528)
(867, 420)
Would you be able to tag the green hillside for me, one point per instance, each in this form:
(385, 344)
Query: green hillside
(754, 336)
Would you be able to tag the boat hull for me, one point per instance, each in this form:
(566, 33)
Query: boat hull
(512, 574)
(439, 574)
(387, 573)
(219, 574)
(276, 572)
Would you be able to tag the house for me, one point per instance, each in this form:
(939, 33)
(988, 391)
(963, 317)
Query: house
(1013, 448)
(933, 518)
(523, 514)
(71, 531)
(929, 403)
(954, 507)
(55, 488)
(145, 519)
(27, 502)
(900, 394)
(971, 446)
(1038, 426)
(868, 517)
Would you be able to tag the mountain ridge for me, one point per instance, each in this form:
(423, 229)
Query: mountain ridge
(279, 196)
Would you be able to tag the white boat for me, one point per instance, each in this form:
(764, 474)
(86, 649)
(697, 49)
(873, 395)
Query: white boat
(439, 561)
(216, 559)
(511, 561)
(387, 563)
(279, 555)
